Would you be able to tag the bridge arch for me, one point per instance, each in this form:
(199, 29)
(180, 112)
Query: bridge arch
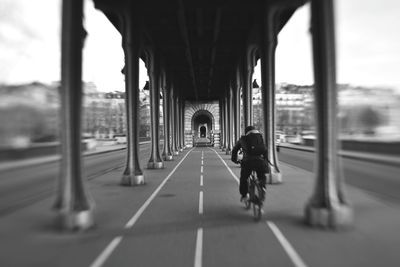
(199, 115)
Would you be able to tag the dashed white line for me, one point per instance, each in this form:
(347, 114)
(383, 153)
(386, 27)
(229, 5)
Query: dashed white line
(201, 180)
(201, 169)
(297, 261)
(198, 257)
(202, 162)
(201, 202)
(105, 254)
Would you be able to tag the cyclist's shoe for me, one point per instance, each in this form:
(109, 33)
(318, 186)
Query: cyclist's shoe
(244, 199)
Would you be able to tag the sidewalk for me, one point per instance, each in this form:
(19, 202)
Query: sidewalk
(373, 241)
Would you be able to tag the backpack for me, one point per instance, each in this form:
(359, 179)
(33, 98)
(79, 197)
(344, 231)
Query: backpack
(255, 144)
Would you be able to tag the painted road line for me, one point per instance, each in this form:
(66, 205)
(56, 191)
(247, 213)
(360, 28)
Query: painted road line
(201, 202)
(293, 255)
(229, 169)
(202, 162)
(198, 257)
(105, 254)
(201, 180)
(201, 170)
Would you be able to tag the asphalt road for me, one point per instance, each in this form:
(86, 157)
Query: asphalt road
(189, 214)
(24, 186)
(381, 180)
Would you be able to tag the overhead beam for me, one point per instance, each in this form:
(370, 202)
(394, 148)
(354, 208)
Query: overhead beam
(185, 35)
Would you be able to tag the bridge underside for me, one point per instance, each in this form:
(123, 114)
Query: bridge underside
(201, 55)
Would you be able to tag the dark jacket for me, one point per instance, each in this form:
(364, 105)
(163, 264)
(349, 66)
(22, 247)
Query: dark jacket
(241, 144)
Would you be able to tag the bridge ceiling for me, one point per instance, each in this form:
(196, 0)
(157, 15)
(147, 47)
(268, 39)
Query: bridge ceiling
(200, 41)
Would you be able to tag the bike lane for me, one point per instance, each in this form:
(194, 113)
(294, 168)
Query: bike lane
(231, 236)
(164, 233)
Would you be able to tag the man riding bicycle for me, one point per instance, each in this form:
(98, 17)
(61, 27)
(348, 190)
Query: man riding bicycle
(254, 155)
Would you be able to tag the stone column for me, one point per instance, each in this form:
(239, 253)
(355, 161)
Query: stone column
(328, 206)
(268, 44)
(155, 161)
(74, 206)
(167, 154)
(133, 174)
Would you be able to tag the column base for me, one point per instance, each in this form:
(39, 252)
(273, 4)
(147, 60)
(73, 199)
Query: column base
(75, 220)
(132, 180)
(223, 148)
(339, 216)
(168, 157)
(175, 153)
(274, 178)
(155, 165)
(180, 149)
(228, 152)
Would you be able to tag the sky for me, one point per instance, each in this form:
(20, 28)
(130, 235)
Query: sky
(367, 42)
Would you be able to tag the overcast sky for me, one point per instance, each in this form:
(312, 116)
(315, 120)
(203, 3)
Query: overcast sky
(368, 43)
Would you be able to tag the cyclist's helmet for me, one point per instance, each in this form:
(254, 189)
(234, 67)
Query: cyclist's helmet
(249, 128)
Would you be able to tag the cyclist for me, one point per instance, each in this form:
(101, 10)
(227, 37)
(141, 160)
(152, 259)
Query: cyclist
(254, 155)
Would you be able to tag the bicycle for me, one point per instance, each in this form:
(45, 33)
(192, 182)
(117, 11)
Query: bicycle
(255, 196)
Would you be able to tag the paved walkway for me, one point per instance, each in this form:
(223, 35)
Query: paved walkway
(189, 214)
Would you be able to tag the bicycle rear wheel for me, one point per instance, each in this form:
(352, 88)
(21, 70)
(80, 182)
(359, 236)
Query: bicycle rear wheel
(257, 211)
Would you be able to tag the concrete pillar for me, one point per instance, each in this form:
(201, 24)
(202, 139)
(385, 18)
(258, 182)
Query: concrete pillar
(236, 105)
(268, 39)
(174, 148)
(155, 161)
(166, 86)
(229, 120)
(226, 118)
(74, 207)
(183, 123)
(176, 123)
(180, 127)
(328, 206)
(248, 70)
(222, 128)
(224, 121)
(133, 174)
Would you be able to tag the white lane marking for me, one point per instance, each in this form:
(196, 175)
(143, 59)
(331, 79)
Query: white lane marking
(198, 257)
(297, 261)
(201, 170)
(293, 255)
(202, 162)
(201, 180)
(107, 252)
(229, 169)
(201, 202)
(135, 217)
